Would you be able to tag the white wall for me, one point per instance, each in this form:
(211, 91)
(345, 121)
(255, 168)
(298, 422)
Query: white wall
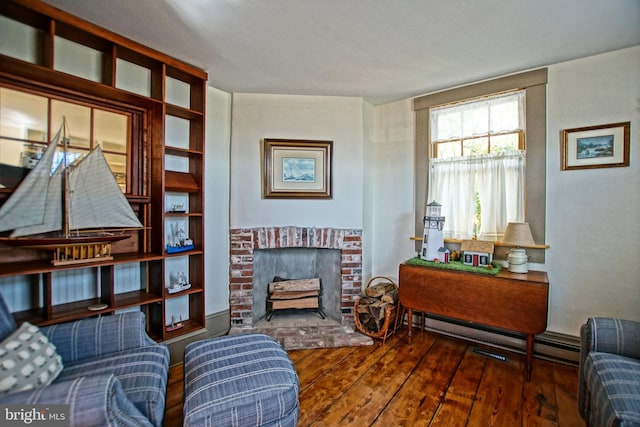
(392, 171)
(592, 224)
(216, 187)
(339, 119)
(592, 214)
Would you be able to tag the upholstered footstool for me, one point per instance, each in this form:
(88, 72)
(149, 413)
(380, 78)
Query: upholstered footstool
(239, 380)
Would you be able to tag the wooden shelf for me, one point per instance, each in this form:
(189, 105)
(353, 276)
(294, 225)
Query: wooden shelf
(133, 299)
(44, 266)
(147, 179)
(183, 215)
(180, 182)
(189, 326)
(183, 113)
(176, 151)
(192, 290)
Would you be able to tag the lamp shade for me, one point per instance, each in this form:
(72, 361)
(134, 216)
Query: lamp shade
(518, 234)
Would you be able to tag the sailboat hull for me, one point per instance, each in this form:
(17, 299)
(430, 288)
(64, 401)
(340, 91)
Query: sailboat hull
(55, 242)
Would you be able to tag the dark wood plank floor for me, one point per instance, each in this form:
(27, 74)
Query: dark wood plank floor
(436, 381)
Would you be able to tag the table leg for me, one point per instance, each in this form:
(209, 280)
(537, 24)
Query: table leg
(409, 322)
(529, 360)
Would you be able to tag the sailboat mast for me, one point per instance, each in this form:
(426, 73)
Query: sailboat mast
(66, 197)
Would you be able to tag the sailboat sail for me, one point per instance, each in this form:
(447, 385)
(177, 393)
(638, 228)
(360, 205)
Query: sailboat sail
(95, 199)
(52, 217)
(27, 205)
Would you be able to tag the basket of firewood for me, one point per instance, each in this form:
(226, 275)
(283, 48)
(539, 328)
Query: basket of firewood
(375, 312)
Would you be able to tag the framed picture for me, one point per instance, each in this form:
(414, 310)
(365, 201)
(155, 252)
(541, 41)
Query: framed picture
(603, 146)
(294, 168)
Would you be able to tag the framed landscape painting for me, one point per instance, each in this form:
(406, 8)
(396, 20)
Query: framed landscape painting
(602, 146)
(294, 168)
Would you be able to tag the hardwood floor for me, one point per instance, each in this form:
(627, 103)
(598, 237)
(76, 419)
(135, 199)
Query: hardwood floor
(436, 381)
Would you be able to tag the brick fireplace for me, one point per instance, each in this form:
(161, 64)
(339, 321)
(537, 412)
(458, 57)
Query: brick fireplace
(244, 241)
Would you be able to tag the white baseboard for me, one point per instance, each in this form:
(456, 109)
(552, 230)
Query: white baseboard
(548, 345)
(216, 324)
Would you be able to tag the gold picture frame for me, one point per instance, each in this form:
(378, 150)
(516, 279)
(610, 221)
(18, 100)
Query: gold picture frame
(297, 169)
(603, 146)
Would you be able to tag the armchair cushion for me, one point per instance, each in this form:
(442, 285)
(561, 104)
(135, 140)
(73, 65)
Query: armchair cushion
(97, 336)
(141, 371)
(97, 400)
(27, 360)
(609, 372)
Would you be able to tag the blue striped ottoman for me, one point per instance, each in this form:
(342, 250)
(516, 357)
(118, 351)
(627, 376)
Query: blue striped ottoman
(239, 380)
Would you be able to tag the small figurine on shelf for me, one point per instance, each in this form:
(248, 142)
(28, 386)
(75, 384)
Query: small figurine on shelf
(176, 323)
(178, 208)
(178, 241)
(180, 284)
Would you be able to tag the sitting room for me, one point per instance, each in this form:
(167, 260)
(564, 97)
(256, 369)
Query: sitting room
(222, 212)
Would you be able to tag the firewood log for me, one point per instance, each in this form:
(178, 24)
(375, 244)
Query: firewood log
(380, 289)
(295, 285)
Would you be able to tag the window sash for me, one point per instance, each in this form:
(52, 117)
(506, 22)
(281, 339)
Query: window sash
(492, 115)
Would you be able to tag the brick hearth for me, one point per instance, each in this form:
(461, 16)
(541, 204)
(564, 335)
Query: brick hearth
(243, 243)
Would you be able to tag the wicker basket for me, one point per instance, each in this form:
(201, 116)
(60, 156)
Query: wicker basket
(389, 324)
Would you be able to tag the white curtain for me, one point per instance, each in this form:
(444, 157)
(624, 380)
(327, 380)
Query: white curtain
(500, 188)
(499, 182)
(452, 185)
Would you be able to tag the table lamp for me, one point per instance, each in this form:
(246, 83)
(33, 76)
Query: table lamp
(518, 234)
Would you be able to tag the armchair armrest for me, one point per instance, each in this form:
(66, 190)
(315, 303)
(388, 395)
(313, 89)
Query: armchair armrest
(610, 335)
(92, 337)
(606, 335)
(96, 400)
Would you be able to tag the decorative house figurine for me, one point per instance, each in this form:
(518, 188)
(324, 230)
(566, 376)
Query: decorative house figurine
(477, 253)
(433, 237)
(443, 255)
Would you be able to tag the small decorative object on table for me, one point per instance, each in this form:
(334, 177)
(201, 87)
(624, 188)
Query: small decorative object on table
(477, 253)
(375, 314)
(433, 237)
(518, 234)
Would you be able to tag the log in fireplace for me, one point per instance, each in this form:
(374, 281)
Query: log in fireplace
(299, 294)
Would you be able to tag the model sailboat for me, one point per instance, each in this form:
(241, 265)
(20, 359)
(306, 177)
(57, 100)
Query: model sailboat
(67, 208)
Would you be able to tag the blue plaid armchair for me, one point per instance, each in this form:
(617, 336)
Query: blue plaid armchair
(609, 374)
(114, 374)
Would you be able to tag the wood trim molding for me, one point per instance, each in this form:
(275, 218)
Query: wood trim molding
(502, 84)
(534, 82)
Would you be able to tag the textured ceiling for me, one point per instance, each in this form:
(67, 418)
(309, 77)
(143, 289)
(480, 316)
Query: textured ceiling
(380, 50)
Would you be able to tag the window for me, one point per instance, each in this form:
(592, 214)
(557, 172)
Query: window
(28, 120)
(476, 167)
(534, 83)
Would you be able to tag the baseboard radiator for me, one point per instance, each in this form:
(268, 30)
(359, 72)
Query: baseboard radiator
(548, 345)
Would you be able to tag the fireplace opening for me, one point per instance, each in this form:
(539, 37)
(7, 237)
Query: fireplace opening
(298, 263)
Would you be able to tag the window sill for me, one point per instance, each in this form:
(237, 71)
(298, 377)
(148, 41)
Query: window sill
(457, 241)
